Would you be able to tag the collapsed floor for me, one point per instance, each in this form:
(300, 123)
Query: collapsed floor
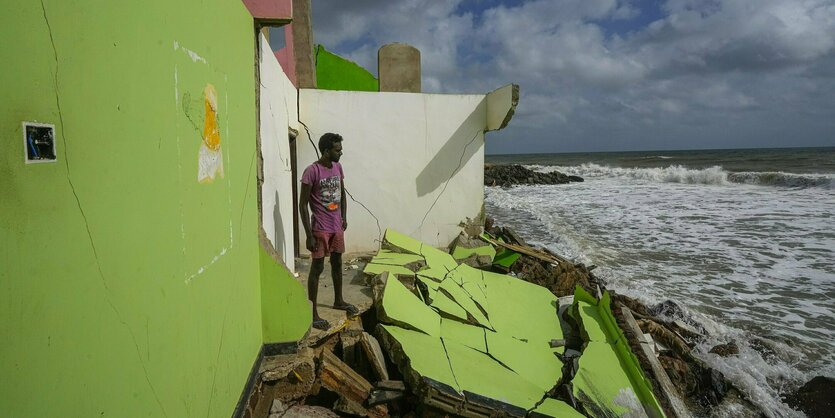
(452, 335)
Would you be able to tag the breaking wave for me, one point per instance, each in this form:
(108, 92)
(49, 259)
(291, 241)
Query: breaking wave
(715, 175)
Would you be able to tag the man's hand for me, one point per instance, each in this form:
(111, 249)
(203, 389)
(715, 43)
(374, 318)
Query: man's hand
(344, 224)
(311, 244)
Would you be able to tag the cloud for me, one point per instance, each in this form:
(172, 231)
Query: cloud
(614, 74)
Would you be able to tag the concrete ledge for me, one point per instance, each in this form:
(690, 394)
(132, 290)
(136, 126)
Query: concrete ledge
(501, 105)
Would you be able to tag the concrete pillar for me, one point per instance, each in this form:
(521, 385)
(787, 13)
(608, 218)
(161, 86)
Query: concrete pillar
(303, 44)
(398, 67)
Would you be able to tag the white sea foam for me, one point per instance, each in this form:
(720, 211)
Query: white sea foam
(715, 175)
(745, 260)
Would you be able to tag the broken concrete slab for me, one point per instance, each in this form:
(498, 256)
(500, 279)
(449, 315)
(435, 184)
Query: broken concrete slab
(551, 407)
(469, 335)
(492, 384)
(402, 307)
(521, 309)
(609, 380)
(338, 377)
(419, 356)
(294, 373)
(373, 269)
(463, 299)
(308, 411)
(374, 353)
(533, 360)
(444, 303)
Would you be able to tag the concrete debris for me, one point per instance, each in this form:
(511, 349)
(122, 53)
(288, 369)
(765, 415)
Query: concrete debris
(467, 340)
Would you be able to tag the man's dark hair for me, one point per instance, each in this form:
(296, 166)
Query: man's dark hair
(327, 141)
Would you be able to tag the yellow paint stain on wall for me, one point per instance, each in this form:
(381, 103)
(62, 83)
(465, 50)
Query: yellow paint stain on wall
(210, 156)
(211, 132)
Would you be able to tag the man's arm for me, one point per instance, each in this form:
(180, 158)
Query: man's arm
(344, 206)
(304, 200)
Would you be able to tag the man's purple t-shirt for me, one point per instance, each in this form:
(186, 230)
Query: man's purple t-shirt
(325, 196)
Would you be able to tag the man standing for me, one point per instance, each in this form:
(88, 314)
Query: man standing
(323, 189)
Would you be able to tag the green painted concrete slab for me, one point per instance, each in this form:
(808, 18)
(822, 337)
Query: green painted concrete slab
(400, 259)
(476, 372)
(374, 269)
(534, 361)
(609, 351)
(400, 306)
(602, 385)
(443, 303)
(465, 301)
(431, 288)
(460, 253)
(590, 323)
(435, 273)
(551, 407)
(426, 354)
(402, 241)
(521, 309)
(506, 258)
(469, 335)
(437, 258)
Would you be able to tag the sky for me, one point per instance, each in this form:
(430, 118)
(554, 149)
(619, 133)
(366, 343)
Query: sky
(616, 75)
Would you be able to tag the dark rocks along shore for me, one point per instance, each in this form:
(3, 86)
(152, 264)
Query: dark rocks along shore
(513, 174)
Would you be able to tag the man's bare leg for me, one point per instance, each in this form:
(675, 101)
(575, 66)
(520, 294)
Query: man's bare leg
(336, 275)
(316, 268)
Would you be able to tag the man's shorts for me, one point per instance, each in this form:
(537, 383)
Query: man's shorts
(327, 243)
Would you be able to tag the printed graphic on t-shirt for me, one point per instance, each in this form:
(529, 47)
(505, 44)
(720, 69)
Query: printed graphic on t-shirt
(329, 193)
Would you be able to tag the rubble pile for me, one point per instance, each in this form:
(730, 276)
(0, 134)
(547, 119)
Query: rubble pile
(496, 327)
(446, 338)
(513, 174)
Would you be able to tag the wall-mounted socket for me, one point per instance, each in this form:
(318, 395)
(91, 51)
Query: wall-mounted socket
(39, 142)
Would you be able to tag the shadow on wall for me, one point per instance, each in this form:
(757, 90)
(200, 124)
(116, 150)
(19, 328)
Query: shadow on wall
(279, 226)
(454, 155)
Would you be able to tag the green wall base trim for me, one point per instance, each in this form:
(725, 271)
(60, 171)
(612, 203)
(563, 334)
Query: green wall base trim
(286, 311)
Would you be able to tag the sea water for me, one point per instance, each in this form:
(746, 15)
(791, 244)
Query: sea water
(744, 240)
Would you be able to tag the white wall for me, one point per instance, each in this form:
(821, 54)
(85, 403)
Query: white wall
(278, 114)
(399, 151)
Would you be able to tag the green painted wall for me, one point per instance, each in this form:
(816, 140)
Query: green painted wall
(336, 73)
(287, 313)
(127, 288)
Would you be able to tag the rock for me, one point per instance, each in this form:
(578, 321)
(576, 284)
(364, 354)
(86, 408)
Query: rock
(577, 179)
(509, 175)
(308, 411)
(277, 407)
(816, 398)
(725, 350)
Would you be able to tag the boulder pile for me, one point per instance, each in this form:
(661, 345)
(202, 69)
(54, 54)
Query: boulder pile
(513, 174)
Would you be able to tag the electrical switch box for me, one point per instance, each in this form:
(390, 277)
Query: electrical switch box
(39, 142)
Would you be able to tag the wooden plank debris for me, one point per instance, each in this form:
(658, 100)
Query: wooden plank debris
(667, 389)
(541, 255)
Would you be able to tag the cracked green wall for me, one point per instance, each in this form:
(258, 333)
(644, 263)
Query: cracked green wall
(127, 288)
